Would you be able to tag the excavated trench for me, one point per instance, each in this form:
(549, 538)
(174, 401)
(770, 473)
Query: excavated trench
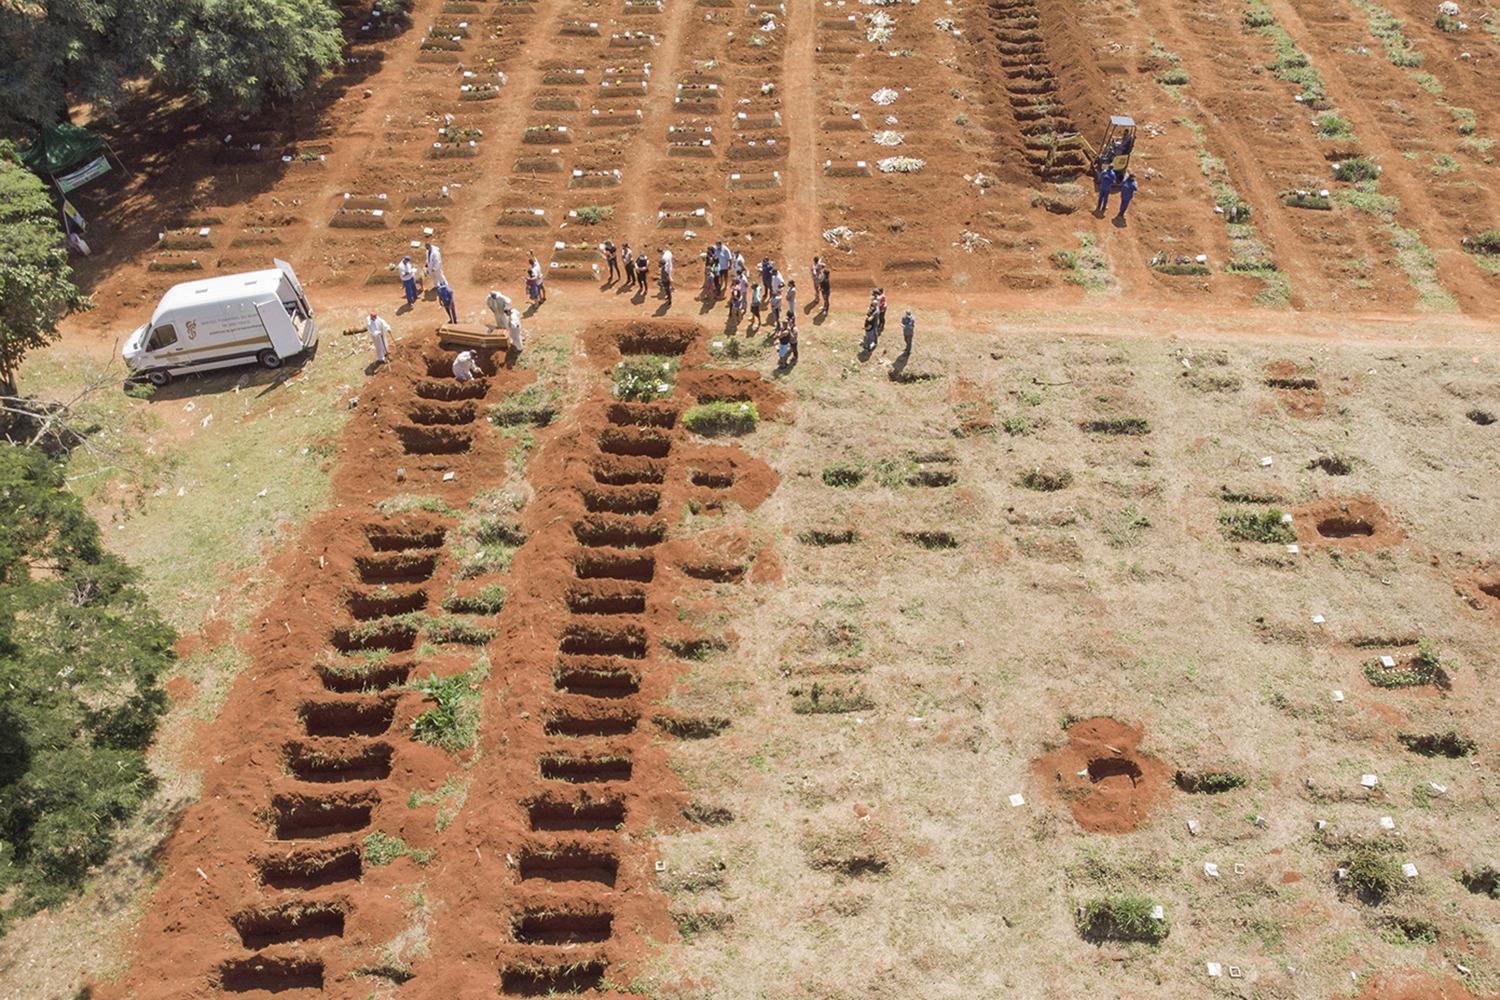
(289, 922)
(538, 926)
(588, 602)
(568, 863)
(347, 718)
(308, 817)
(270, 975)
(363, 677)
(622, 501)
(581, 816)
(308, 762)
(586, 770)
(598, 683)
(311, 869)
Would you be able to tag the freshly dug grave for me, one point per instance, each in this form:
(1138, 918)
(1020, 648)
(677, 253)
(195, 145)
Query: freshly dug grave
(1107, 783)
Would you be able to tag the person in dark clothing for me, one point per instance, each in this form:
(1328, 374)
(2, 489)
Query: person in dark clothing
(642, 269)
(767, 272)
(908, 329)
(823, 282)
(880, 299)
(612, 258)
(1127, 192)
(445, 297)
(872, 323)
(629, 266)
(1106, 188)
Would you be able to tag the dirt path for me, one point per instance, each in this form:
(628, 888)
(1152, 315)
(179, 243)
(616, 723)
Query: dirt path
(801, 239)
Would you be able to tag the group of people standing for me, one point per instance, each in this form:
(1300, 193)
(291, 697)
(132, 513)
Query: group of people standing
(763, 290)
(1110, 182)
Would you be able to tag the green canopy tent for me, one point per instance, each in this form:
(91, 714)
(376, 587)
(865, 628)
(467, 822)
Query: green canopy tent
(69, 156)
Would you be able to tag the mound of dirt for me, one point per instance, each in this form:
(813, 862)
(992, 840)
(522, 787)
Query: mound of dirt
(1348, 522)
(1109, 785)
(1412, 985)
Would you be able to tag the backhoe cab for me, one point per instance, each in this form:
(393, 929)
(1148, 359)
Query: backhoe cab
(1115, 150)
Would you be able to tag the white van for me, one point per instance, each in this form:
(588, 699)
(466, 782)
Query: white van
(234, 319)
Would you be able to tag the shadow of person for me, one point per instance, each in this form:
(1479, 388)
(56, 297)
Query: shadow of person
(661, 310)
(372, 368)
(899, 365)
(403, 310)
(865, 353)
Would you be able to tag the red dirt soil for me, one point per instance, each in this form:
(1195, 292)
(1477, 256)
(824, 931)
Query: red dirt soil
(545, 876)
(1109, 785)
(1413, 985)
(1358, 523)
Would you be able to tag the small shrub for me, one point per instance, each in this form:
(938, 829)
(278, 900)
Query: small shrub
(825, 537)
(1122, 918)
(1046, 479)
(842, 475)
(592, 215)
(1117, 425)
(451, 723)
(722, 416)
(488, 600)
(1481, 881)
(1182, 269)
(1372, 875)
(445, 630)
(1411, 930)
(1258, 15)
(1175, 77)
(1331, 126)
(1016, 426)
(1486, 242)
(1356, 169)
(1481, 417)
(642, 379)
(1256, 526)
(1448, 744)
(1210, 782)
(533, 406)
(382, 849)
(1425, 668)
(830, 699)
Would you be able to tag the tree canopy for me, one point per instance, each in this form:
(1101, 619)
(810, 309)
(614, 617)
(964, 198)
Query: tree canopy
(36, 283)
(80, 657)
(232, 56)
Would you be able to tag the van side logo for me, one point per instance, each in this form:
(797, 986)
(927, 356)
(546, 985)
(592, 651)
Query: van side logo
(192, 329)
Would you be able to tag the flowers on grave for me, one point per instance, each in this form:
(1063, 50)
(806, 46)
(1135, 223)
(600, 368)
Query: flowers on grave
(884, 96)
(901, 165)
(886, 137)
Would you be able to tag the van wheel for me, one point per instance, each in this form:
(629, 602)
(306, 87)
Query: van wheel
(158, 377)
(270, 359)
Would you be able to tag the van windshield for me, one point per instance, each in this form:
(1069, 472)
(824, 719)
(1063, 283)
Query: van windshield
(163, 336)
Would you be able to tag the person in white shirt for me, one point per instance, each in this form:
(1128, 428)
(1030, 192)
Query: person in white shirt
(408, 274)
(499, 304)
(435, 265)
(465, 367)
(513, 330)
(379, 331)
(666, 262)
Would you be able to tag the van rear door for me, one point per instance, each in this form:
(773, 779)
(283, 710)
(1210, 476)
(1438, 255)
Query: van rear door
(291, 276)
(279, 327)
